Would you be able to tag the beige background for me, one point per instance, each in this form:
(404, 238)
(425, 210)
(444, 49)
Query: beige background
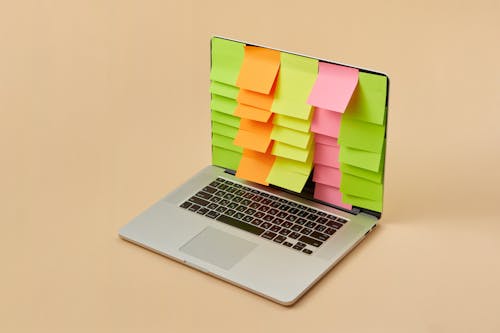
(104, 109)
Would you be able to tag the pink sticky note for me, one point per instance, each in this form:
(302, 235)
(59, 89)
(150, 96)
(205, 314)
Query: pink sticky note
(329, 194)
(333, 87)
(326, 122)
(326, 175)
(326, 155)
(325, 140)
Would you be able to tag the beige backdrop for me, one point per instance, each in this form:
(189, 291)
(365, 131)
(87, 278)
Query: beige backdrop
(104, 109)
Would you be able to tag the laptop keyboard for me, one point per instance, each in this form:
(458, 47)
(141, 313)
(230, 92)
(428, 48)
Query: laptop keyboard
(277, 219)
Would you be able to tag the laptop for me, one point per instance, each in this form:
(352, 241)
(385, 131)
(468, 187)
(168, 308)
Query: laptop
(297, 174)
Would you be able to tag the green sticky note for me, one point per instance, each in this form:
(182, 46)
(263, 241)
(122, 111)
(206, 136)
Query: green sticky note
(224, 130)
(290, 174)
(287, 151)
(375, 205)
(302, 125)
(226, 119)
(361, 135)
(361, 187)
(227, 57)
(375, 177)
(225, 158)
(295, 81)
(291, 137)
(225, 90)
(225, 142)
(223, 104)
(361, 158)
(368, 100)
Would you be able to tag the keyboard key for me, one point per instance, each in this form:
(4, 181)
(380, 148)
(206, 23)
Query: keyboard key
(268, 218)
(237, 199)
(250, 211)
(232, 205)
(293, 210)
(224, 202)
(241, 225)
(239, 216)
(312, 210)
(310, 224)
(320, 236)
(215, 199)
(275, 204)
(222, 186)
(301, 207)
(213, 206)
(248, 195)
(294, 235)
(284, 208)
(322, 220)
(194, 208)
(215, 183)
(341, 220)
(288, 244)
(256, 221)
(240, 192)
(203, 195)
(231, 189)
(237, 185)
(255, 205)
(269, 235)
(245, 202)
(283, 200)
(241, 208)
(330, 231)
(202, 210)
(273, 197)
(229, 196)
(212, 214)
(305, 231)
(277, 221)
(292, 204)
(279, 239)
(307, 251)
(302, 213)
(185, 204)
(282, 215)
(296, 227)
(221, 209)
(331, 217)
(219, 193)
(266, 201)
(286, 224)
(264, 194)
(284, 232)
(264, 208)
(259, 214)
(247, 218)
(320, 228)
(291, 218)
(199, 201)
(323, 214)
(335, 225)
(266, 225)
(301, 221)
(273, 211)
(299, 247)
(312, 217)
(275, 228)
(257, 198)
(230, 212)
(310, 241)
(210, 189)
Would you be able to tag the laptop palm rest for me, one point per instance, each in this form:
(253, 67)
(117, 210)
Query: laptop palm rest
(218, 248)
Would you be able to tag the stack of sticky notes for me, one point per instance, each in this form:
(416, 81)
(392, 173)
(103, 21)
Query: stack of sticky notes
(227, 57)
(278, 117)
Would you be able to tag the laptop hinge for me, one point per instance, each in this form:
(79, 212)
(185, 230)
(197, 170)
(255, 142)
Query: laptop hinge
(229, 171)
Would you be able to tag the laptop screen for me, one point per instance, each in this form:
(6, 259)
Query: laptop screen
(304, 125)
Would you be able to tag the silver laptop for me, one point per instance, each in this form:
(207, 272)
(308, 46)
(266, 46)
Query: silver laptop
(274, 240)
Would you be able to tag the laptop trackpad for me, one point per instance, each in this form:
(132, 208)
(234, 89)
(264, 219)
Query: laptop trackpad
(218, 247)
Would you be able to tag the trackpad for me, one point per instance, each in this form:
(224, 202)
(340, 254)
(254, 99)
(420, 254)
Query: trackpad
(218, 247)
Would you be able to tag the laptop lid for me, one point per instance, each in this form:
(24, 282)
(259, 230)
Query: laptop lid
(309, 126)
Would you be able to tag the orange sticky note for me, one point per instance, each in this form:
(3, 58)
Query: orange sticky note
(261, 101)
(259, 69)
(252, 113)
(255, 166)
(254, 135)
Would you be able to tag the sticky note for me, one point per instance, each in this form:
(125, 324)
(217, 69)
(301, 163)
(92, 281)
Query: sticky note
(375, 205)
(252, 113)
(361, 158)
(254, 135)
(302, 125)
(295, 80)
(326, 122)
(330, 195)
(223, 104)
(225, 119)
(361, 135)
(375, 177)
(287, 151)
(224, 130)
(225, 142)
(325, 140)
(360, 187)
(369, 98)
(290, 174)
(259, 69)
(326, 155)
(227, 57)
(333, 87)
(261, 101)
(291, 137)
(326, 175)
(225, 158)
(255, 166)
(225, 90)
